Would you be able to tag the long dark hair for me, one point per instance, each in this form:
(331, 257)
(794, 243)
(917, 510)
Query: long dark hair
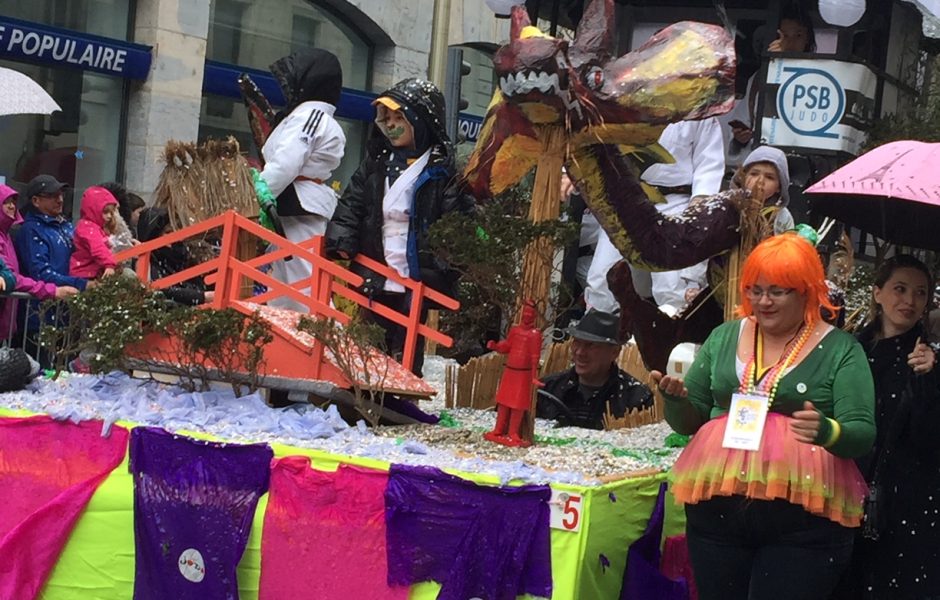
(884, 273)
(796, 12)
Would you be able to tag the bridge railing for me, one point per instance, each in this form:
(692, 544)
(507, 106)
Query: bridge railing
(226, 272)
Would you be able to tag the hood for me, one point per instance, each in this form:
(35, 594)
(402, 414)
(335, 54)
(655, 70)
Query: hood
(7, 222)
(175, 256)
(305, 75)
(94, 201)
(423, 100)
(777, 158)
(151, 223)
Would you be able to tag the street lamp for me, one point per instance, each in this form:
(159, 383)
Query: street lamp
(502, 7)
(841, 13)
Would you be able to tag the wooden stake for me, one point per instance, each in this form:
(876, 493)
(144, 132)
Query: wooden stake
(434, 319)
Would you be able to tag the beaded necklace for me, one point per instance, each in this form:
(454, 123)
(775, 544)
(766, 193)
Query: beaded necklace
(767, 386)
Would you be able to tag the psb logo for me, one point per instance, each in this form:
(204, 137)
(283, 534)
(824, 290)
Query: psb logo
(811, 102)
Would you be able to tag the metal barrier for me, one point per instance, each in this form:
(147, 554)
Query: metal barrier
(26, 309)
(23, 309)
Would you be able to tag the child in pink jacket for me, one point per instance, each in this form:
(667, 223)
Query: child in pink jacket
(92, 257)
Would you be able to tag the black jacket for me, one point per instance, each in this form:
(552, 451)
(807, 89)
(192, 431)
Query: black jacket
(907, 417)
(356, 226)
(170, 259)
(622, 392)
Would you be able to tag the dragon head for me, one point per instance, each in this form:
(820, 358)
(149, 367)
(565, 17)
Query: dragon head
(685, 71)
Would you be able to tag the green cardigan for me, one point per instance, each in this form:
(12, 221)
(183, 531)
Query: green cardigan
(834, 376)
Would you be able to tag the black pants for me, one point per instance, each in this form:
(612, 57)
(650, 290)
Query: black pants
(395, 333)
(764, 550)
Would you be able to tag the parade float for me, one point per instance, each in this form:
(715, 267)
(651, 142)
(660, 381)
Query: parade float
(120, 487)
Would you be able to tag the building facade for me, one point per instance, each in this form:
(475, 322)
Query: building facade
(132, 74)
(179, 62)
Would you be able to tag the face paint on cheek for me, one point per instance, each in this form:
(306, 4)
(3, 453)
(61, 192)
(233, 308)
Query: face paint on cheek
(394, 133)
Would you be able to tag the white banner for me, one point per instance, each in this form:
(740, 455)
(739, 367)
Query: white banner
(818, 104)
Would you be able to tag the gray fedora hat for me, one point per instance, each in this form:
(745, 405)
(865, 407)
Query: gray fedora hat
(597, 326)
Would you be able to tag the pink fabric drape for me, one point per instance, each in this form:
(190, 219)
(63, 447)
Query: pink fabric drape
(324, 534)
(48, 473)
(676, 563)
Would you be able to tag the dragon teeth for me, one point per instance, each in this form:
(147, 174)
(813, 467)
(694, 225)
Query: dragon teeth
(523, 83)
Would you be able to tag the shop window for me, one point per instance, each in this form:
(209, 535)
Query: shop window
(108, 18)
(254, 35)
(78, 145)
(477, 87)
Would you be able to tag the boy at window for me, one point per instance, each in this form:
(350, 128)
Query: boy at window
(304, 148)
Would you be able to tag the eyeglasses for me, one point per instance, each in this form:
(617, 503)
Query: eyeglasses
(755, 293)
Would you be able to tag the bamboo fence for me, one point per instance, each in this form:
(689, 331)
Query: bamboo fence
(474, 385)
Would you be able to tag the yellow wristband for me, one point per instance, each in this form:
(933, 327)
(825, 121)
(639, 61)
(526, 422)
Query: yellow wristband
(834, 434)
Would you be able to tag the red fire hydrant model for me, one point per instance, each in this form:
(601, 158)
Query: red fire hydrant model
(523, 345)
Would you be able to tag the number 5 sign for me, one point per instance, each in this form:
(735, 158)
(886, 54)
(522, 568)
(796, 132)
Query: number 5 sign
(565, 511)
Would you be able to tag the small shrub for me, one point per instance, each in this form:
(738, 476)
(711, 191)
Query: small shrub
(118, 313)
(350, 346)
(104, 319)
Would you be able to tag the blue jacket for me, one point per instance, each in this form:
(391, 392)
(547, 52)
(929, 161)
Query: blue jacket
(44, 246)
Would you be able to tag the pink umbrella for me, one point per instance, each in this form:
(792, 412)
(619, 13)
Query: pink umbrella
(892, 192)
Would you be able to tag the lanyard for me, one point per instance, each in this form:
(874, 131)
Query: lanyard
(770, 376)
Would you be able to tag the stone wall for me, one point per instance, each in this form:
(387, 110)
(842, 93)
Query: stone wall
(167, 105)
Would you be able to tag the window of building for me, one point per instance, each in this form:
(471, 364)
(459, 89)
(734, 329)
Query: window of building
(108, 18)
(477, 87)
(79, 145)
(254, 35)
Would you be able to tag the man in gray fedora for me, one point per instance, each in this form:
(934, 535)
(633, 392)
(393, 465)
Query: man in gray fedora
(581, 395)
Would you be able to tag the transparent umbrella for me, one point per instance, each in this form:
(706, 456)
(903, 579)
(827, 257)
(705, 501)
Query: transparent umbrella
(20, 95)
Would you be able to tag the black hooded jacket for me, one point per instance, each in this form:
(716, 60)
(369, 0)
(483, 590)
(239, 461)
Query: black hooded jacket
(170, 259)
(307, 75)
(357, 223)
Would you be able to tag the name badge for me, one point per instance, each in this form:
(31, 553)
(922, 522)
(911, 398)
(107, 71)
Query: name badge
(746, 420)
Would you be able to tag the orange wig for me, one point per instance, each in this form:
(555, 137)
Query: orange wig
(788, 261)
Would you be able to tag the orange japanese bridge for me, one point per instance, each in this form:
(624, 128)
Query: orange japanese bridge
(295, 360)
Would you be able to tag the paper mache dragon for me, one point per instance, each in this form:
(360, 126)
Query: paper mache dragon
(612, 111)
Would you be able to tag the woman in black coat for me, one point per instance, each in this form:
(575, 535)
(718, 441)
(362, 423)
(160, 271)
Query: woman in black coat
(407, 181)
(168, 260)
(897, 554)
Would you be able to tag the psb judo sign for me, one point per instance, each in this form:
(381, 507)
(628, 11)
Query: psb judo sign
(810, 102)
(822, 104)
(22, 40)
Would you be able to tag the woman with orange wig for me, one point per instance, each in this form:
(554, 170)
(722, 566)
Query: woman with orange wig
(779, 403)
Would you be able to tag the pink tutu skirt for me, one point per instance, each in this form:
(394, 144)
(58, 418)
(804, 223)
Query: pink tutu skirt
(782, 468)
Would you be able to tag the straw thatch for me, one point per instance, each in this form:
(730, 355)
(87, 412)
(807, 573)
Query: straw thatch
(199, 182)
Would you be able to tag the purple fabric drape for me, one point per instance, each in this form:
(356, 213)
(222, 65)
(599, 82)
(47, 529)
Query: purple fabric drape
(642, 578)
(193, 506)
(491, 543)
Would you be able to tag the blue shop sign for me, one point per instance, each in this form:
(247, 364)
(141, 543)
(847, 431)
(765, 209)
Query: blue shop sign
(221, 79)
(32, 42)
(469, 127)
